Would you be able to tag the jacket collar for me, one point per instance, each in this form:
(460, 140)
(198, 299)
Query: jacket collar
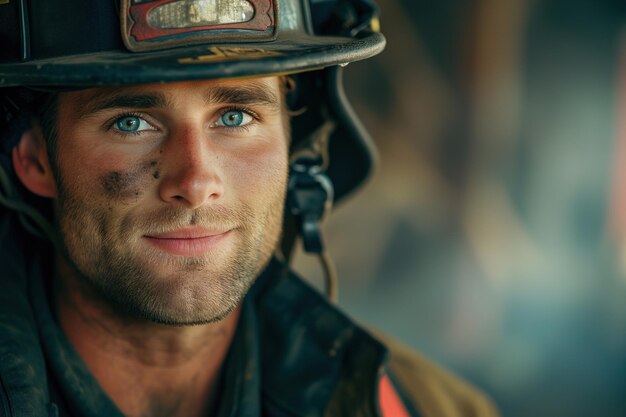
(314, 358)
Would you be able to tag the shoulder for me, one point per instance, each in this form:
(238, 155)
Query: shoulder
(432, 390)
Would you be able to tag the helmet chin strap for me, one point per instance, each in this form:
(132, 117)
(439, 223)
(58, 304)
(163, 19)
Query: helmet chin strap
(310, 198)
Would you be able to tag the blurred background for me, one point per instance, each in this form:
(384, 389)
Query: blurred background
(493, 236)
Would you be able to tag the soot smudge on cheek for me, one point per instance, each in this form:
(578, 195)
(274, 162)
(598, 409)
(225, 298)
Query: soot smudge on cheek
(118, 184)
(128, 184)
(156, 174)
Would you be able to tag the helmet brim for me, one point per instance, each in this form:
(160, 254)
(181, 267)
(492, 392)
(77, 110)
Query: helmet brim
(285, 55)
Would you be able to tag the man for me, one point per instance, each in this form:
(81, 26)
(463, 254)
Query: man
(156, 166)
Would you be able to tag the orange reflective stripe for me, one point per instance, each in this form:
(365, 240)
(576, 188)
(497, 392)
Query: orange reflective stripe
(390, 403)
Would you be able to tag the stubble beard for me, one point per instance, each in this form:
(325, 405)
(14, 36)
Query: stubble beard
(197, 292)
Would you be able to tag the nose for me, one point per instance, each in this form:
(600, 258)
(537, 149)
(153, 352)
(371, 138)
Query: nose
(190, 169)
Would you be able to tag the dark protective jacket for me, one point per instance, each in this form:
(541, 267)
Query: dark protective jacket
(298, 355)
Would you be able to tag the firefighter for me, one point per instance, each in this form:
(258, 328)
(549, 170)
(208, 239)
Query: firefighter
(159, 158)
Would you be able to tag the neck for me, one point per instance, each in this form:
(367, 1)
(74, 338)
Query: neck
(146, 368)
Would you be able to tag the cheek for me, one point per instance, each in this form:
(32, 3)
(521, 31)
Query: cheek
(124, 183)
(100, 173)
(81, 161)
(260, 173)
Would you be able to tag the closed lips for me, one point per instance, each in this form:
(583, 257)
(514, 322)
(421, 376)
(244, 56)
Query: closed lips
(189, 242)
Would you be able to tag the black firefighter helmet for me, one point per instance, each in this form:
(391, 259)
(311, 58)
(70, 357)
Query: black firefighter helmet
(60, 45)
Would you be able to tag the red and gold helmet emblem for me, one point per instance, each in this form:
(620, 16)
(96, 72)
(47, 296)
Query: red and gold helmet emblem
(156, 24)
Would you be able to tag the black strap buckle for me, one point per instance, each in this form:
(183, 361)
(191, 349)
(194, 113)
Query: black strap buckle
(310, 198)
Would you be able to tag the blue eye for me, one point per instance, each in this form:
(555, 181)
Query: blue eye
(132, 124)
(234, 118)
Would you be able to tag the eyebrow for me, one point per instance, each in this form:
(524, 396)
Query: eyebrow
(244, 95)
(248, 94)
(120, 99)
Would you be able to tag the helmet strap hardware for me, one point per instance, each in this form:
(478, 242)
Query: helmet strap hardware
(310, 197)
(311, 192)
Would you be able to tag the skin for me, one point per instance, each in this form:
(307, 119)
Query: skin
(153, 321)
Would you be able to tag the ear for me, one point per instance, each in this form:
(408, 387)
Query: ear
(31, 164)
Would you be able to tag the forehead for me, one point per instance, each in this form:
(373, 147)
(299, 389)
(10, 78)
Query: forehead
(263, 91)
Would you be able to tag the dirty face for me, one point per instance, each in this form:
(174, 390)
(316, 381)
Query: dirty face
(170, 196)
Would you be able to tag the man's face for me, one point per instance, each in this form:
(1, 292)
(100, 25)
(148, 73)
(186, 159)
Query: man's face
(170, 196)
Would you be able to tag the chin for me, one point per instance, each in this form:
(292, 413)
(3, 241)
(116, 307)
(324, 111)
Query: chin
(190, 297)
